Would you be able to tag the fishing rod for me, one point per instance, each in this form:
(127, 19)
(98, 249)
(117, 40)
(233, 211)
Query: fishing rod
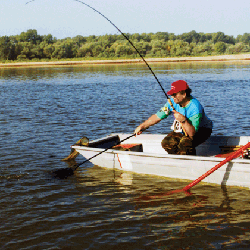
(126, 37)
(64, 172)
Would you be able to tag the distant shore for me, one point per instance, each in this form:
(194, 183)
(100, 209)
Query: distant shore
(240, 57)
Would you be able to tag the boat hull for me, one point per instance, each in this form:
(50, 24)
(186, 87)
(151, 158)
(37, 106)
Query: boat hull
(158, 162)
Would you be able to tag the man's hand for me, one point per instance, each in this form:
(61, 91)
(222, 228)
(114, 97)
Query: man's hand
(179, 117)
(139, 129)
(152, 120)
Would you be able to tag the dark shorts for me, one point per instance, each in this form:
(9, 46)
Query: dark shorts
(178, 143)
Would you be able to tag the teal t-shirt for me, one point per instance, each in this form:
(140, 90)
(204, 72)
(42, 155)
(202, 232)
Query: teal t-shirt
(194, 112)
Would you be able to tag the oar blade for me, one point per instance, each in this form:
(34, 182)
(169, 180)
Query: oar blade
(84, 141)
(62, 173)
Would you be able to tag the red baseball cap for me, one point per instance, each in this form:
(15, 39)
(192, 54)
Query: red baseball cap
(177, 86)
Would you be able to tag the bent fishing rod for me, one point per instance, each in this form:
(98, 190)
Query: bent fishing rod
(64, 172)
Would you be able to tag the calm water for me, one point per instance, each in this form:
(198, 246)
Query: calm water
(45, 110)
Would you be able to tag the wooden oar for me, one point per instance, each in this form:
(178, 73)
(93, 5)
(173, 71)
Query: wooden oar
(63, 173)
(84, 141)
(195, 182)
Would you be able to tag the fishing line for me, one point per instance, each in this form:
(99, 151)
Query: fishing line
(126, 39)
(30, 1)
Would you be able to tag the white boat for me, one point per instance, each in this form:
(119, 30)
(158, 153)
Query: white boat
(146, 156)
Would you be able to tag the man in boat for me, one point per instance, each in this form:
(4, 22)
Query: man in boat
(191, 126)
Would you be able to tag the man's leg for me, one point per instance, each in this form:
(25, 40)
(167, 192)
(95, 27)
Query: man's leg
(171, 141)
(186, 146)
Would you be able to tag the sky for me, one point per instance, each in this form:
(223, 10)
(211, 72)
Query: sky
(69, 18)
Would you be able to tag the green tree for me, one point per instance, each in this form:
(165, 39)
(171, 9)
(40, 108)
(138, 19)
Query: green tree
(221, 37)
(123, 50)
(191, 36)
(29, 45)
(207, 47)
(245, 38)
(26, 50)
(79, 40)
(30, 36)
(97, 50)
(202, 37)
(145, 37)
(220, 47)
(209, 36)
(48, 50)
(136, 37)
(106, 41)
(240, 48)
(65, 49)
(218, 37)
(160, 36)
(7, 48)
(91, 39)
(86, 50)
(49, 39)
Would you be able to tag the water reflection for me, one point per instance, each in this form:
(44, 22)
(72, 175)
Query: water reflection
(190, 68)
(209, 218)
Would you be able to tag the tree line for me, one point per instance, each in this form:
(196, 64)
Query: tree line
(30, 45)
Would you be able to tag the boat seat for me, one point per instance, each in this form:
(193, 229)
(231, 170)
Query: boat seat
(129, 147)
(105, 142)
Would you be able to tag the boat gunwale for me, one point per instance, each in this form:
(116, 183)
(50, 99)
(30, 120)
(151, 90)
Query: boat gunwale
(170, 156)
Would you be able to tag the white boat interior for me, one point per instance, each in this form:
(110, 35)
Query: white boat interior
(151, 144)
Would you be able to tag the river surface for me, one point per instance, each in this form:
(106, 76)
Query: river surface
(45, 110)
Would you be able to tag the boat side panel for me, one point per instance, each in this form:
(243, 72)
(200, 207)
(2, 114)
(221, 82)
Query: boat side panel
(233, 173)
(236, 172)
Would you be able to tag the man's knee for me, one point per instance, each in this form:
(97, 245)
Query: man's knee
(186, 147)
(171, 141)
(177, 143)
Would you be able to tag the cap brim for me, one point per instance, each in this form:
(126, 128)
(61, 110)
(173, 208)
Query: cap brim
(170, 92)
